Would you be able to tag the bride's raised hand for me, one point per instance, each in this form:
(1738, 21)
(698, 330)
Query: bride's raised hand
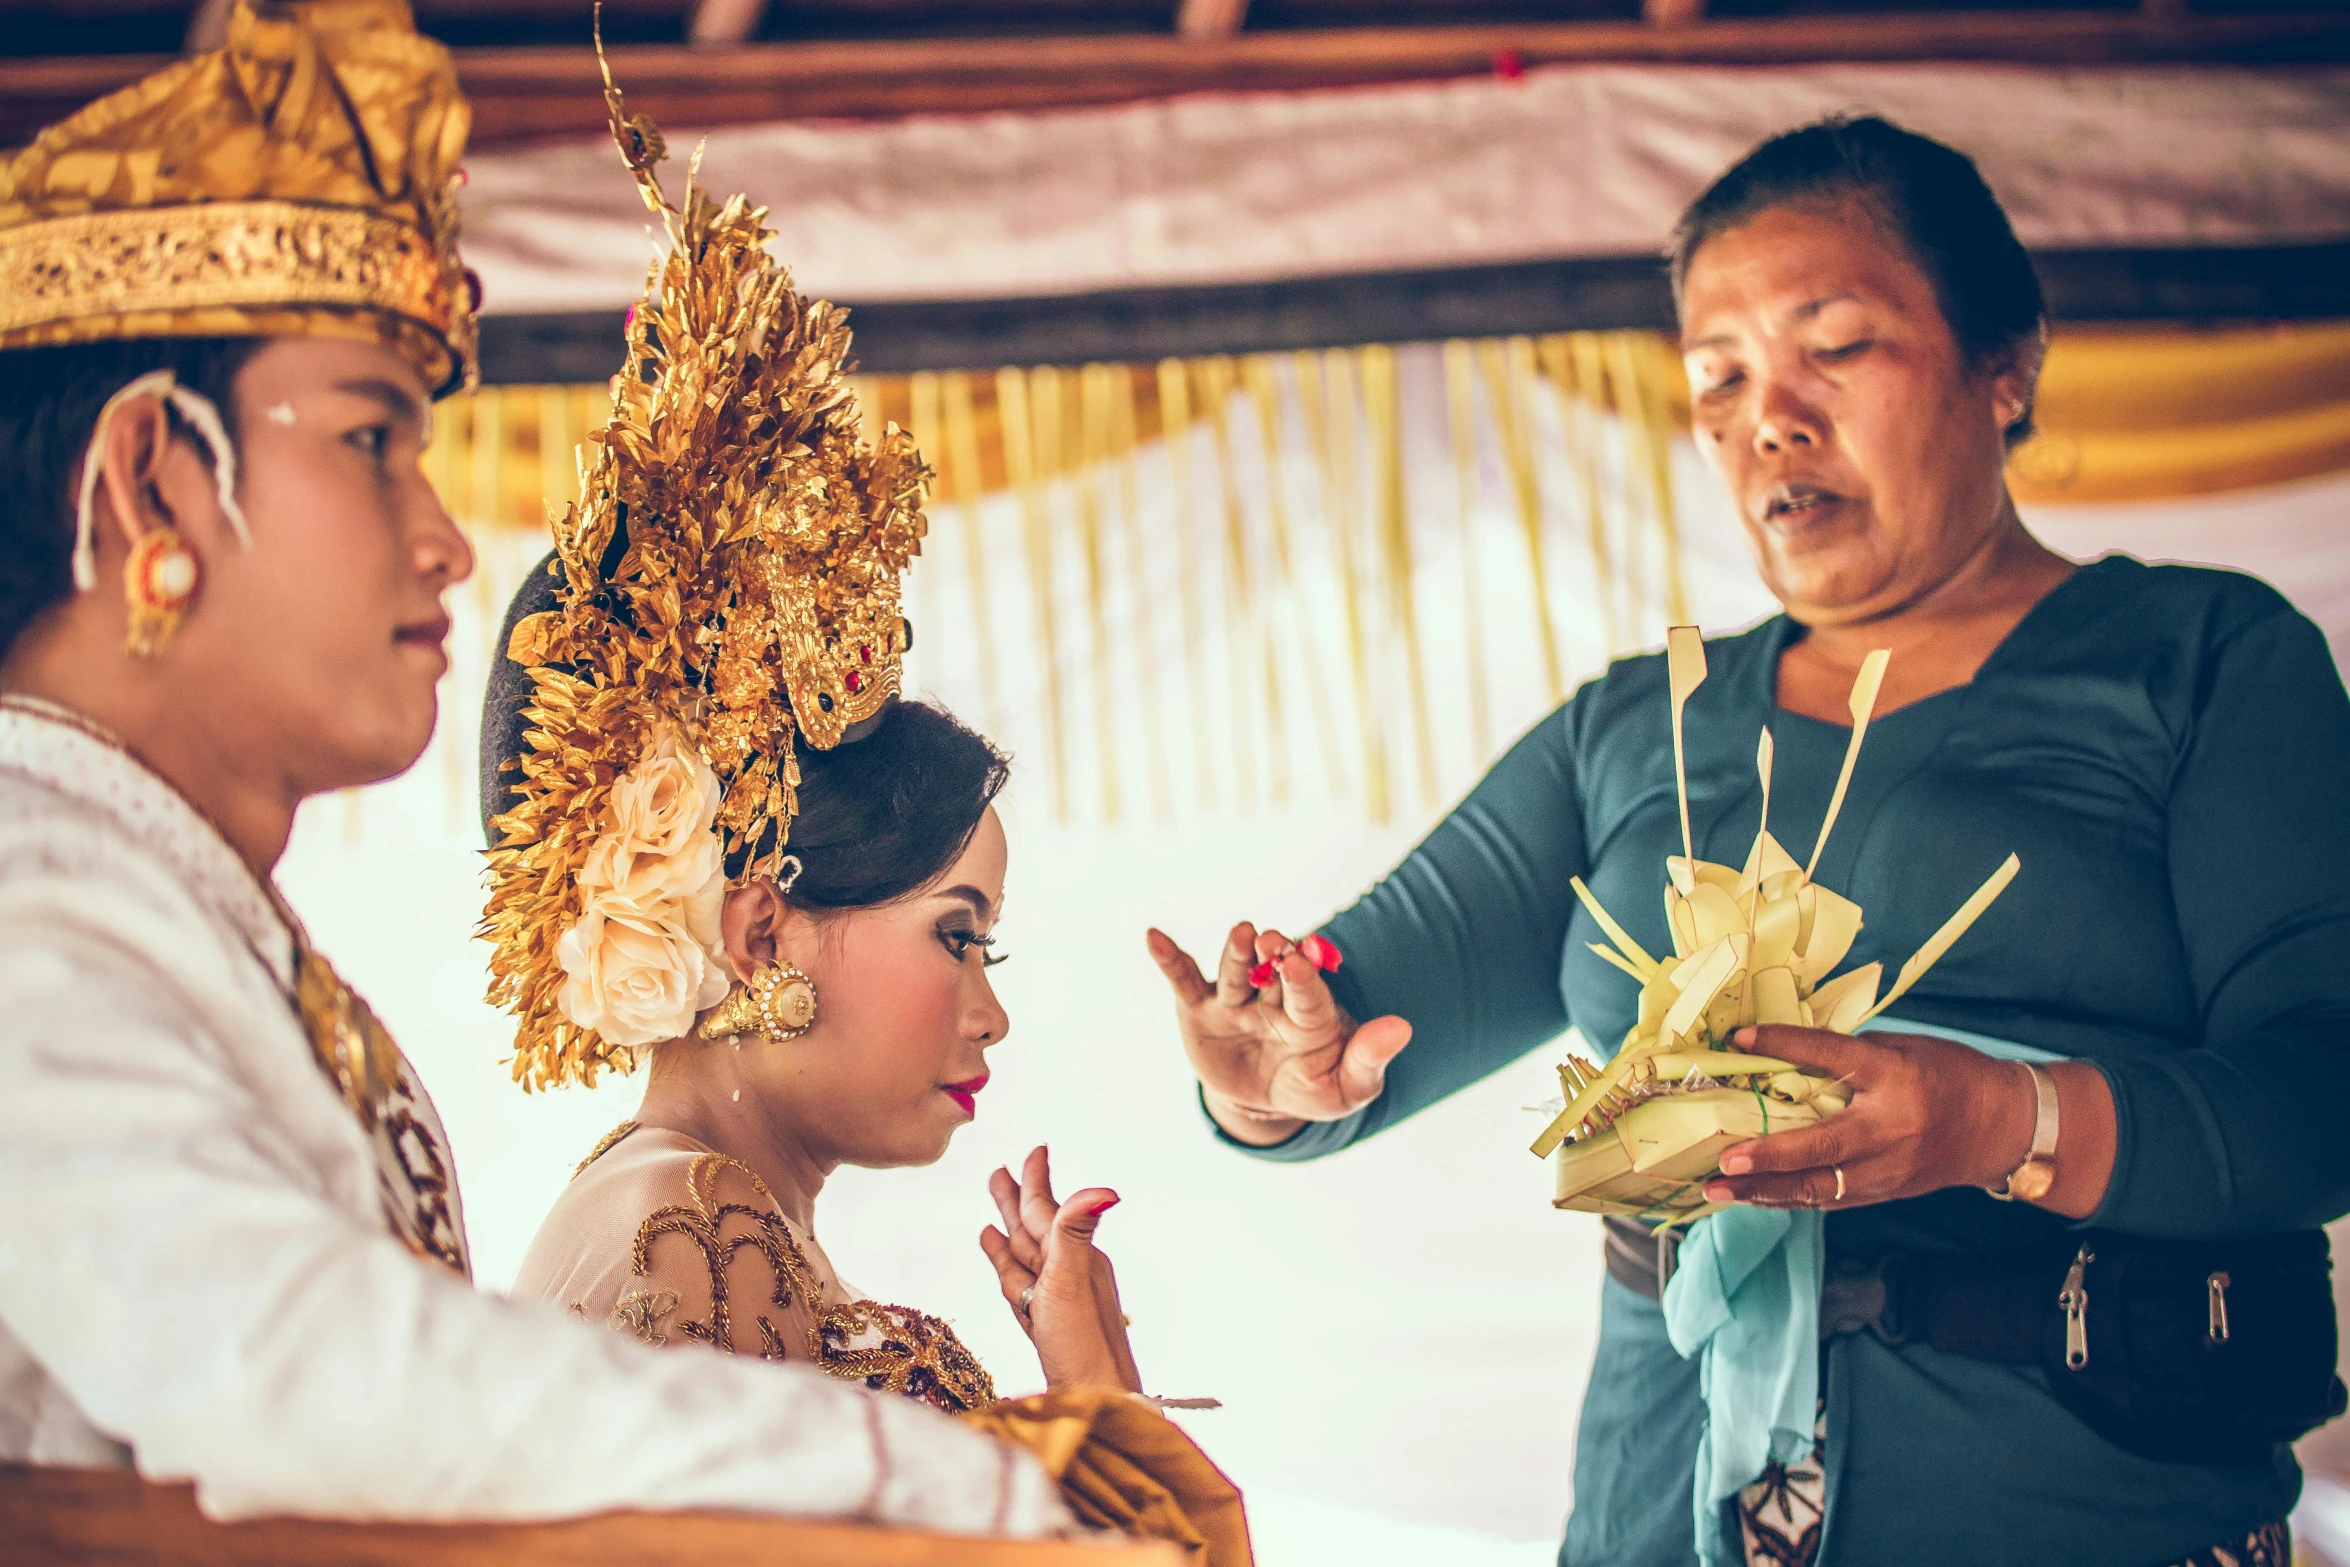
(1061, 1289)
(1272, 1057)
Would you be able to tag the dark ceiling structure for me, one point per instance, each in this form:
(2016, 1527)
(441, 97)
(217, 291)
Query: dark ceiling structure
(528, 68)
(698, 63)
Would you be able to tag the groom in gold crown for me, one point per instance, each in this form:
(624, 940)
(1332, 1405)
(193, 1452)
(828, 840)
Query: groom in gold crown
(232, 1248)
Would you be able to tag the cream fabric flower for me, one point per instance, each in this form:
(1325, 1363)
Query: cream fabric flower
(666, 801)
(636, 983)
(687, 888)
(645, 957)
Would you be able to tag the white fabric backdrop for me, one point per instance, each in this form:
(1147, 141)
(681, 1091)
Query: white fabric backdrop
(1566, 161)
(1400, 1334)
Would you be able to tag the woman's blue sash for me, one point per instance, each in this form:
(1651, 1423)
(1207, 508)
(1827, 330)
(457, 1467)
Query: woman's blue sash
(1744, 1301)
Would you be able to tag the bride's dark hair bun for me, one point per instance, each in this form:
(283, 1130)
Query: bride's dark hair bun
(885, 816)
(881, 816)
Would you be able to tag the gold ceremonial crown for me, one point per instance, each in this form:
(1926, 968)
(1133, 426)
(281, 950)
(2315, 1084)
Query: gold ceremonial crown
(730, 577)
(300, 181)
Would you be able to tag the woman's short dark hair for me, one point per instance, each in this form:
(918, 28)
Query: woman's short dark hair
(1929, 196)
(49, 402)
(881, 816)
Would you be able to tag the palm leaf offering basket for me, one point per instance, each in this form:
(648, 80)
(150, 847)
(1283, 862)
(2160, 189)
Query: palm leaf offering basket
(1754, 944)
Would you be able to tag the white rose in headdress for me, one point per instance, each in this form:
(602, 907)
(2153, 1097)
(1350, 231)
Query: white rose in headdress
(645, 957)
(665, 803)
(636, 983)
(660, 857)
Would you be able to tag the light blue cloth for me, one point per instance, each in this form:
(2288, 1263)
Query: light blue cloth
(1744, 1300)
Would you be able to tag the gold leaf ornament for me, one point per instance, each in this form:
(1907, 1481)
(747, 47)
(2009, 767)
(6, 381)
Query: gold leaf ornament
(731, 572)
(1752, 945)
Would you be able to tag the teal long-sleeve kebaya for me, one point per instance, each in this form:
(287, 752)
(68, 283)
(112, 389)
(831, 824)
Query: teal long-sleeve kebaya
(2166, 750)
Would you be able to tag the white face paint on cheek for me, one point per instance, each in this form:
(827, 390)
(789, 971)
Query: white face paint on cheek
(283, 413)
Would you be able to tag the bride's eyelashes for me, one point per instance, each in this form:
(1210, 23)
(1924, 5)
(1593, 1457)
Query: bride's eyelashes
(960, 942)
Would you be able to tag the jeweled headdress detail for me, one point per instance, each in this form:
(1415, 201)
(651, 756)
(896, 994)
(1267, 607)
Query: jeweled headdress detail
(728, 583)
(299, 181)
(1643, 1134)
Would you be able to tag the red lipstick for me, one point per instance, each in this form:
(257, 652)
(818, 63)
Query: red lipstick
(966, 1093)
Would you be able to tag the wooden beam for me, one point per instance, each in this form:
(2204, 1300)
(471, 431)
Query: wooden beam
(2223, 283)
(524, 94)
(57, 1517)
(721, 22)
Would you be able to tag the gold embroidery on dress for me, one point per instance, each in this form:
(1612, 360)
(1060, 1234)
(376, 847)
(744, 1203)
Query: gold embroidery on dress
(640, 1312)
(604, 1145)
(918, 1355)
(702, 1223)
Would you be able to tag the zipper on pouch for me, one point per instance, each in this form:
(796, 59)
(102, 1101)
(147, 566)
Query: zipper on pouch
(2075, 1301)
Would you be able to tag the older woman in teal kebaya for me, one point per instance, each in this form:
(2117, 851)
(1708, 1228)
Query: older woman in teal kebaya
(2164, 748)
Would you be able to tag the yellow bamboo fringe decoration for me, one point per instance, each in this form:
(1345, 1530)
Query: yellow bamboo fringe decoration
(1460, 394)
(1250, 529)
(1643, 1134)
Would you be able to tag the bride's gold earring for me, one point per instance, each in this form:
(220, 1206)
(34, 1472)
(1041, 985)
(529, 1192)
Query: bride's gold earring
(778, 1001)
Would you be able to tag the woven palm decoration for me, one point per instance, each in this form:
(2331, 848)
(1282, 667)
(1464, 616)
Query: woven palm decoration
(1751, 944)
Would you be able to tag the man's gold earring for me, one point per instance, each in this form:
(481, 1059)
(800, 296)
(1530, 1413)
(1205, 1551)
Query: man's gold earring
(778, 1001)
(159, 582)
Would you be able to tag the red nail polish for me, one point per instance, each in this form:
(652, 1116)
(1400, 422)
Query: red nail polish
(1100, 1208)
(1263, 974)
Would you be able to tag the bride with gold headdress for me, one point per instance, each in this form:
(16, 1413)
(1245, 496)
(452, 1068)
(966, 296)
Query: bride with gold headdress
(725, 848)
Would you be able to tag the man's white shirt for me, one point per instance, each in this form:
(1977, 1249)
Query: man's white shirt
(197, 1276)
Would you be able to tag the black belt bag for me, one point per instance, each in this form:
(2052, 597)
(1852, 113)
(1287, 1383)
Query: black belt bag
(2186, 1351)
(2204, 1352)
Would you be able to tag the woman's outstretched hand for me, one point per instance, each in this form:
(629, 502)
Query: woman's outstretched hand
(1926, 1114)
(1063, 1292)
(1272, 1057)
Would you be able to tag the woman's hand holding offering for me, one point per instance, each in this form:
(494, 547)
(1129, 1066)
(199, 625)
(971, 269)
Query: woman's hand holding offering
(1274, 1055)
(1063, 1291)
(1926, 1113)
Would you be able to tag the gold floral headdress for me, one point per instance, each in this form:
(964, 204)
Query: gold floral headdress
(1753, 944)
(728, 582)
(299, 181)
